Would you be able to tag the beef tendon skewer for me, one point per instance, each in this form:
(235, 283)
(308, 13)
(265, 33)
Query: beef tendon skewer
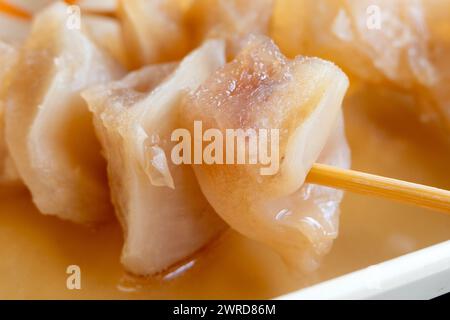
(49, 130)
(293, 211)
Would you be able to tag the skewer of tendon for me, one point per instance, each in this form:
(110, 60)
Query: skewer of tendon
(370, 184)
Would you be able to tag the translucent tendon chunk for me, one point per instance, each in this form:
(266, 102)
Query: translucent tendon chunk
(153, 30)
(288, 27)
(313, 210)
(228, 19)
(162, 210)
(13, 31)
(49, 129)
(107, 33)
(386, 39)
(8, 56)
(389, 42)
(301, 99)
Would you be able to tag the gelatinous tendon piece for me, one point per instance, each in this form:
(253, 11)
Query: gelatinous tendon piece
(389, 42)
(8, 56)
(13, 31)
(228, 19)
(261, 89)
(386, 39)
(153, 30)
(107, 33)
(49, 128)
(163, 213)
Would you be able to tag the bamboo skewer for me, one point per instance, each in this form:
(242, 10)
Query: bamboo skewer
(13, 10)
(370, 184)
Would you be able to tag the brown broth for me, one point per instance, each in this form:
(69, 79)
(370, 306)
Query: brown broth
(386, 138)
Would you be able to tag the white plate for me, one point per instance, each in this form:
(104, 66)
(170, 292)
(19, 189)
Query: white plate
(423, 274)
